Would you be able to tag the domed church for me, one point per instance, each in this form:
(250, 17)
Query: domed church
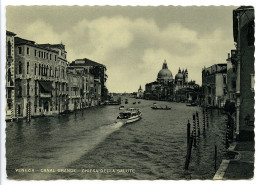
(167, 88)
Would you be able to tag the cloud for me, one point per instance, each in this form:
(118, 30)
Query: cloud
(134, 49)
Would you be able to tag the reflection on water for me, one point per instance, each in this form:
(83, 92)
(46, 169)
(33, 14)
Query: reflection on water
(155, 146)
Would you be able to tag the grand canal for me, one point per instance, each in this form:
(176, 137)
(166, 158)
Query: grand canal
(153, 148)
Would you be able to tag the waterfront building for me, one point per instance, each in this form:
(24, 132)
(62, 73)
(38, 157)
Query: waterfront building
(139, 93)
(97, 69)
(243, 32)
(214, 85)
(74, 89)
(167, 88)
(10, 75)
(231, 78)
(39, 75)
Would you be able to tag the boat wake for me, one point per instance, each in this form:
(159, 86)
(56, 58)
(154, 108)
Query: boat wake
(62, 157)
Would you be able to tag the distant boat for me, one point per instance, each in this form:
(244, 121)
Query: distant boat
(191, 104)
(111, 102)
(129, 116)
(160, 108)
(121, 107)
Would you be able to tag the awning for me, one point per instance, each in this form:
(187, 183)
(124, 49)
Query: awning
(47, 86)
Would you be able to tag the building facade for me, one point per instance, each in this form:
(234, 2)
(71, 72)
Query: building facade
(243, 32)
(40, 78)
(10, 75)
(214, 85)
(97, 70)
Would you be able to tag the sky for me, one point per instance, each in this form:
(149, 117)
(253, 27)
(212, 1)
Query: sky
(132, 42)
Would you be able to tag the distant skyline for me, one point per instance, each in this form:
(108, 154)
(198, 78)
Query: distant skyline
(131, 41)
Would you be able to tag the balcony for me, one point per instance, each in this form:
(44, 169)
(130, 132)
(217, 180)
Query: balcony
(19, 76)
(45, 95)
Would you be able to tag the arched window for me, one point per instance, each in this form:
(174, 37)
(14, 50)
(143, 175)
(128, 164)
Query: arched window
(39, 69)
(50, 71)
(35, 69)
(20, 67)
(47, 71)
(42, 71)
(28, 67)
(9, 47)
(28, 89)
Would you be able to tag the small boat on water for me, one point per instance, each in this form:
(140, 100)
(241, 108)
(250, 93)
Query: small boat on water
(129, 116)
(121, 107)
(161, 108)
(191, 104)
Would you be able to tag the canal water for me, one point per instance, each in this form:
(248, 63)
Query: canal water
(95, 147)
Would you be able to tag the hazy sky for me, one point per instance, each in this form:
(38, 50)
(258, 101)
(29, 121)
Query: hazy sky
(131, 41)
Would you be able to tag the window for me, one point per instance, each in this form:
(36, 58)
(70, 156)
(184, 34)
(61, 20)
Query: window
(234, 84)
(20, 91)
(224, 90)
(44, 55)
(9, 47)
(47, 54)
(224, 79)
(20, 68)
(35, 52)
(50, 71)
(28, 51)
(20, 50)
(35, 69)
(55, 57)
(28, 89)
(50, 56)
(35, 88)
(252, 82)
(39, 69)
(28, 67)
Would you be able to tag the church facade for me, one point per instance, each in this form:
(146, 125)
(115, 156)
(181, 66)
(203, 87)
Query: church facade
(169, 89)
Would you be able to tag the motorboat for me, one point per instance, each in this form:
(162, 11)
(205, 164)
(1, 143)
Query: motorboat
(121, 107)
(161, 108)
(130, 115)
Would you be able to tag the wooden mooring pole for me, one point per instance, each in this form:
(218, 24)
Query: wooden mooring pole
(194, 129)
(215, 158)
(187, 162)
(198, 123)
(203, 120)
(188, 133)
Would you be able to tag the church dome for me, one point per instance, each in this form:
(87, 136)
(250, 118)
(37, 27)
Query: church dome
(164, 73)
(178, 76)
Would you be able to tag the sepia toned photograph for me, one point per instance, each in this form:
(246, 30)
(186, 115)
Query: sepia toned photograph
(129, 92)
